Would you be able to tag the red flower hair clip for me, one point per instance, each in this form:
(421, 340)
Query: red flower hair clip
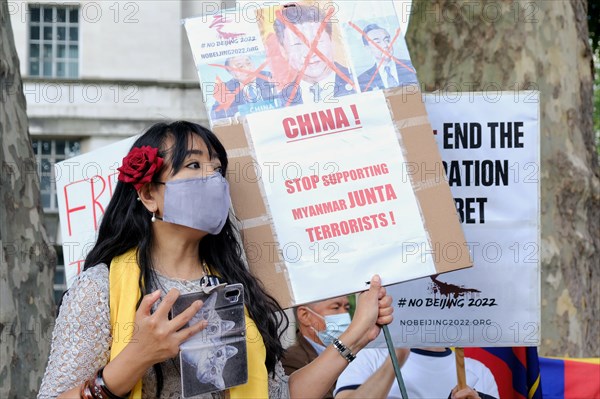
(139, 166)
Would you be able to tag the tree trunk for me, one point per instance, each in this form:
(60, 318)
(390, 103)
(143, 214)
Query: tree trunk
(27, 260)
(541, 45)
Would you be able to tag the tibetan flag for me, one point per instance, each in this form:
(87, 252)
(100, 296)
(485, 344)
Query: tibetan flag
(516, 370)
(567, 378)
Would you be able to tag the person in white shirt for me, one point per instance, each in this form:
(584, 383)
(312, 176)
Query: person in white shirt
(427, 373)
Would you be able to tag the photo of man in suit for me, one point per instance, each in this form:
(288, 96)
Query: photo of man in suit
(321, 81)
(257, 90)
(393, 72)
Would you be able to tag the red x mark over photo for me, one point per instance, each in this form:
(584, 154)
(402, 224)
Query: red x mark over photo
(226, 99)
(312, 49)
(385, 52)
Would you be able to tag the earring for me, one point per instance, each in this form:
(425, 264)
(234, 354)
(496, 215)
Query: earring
(153, 217)
(139, 199)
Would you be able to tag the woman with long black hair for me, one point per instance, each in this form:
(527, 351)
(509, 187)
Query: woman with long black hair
(165, 229)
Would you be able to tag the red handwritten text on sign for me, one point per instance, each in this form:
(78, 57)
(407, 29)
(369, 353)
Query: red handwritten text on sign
(88, 205)
(362, 197)
(320, 123)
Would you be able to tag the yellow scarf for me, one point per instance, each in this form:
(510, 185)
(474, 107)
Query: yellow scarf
(124, 294)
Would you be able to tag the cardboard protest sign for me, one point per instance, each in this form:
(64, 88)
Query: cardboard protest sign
(84, 186)
(253, 59)
(321, 56)
(357, 213)
(299, 241)
(490, 150)
(400, 220)
(278, 225)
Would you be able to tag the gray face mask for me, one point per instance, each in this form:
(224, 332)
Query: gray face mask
(201, 203)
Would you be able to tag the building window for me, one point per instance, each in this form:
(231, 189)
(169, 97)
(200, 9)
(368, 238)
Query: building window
(53, 41)
(60, 281)
(47, 153)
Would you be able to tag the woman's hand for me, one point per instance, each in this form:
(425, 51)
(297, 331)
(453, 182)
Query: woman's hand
(373, 309)
(156, 338)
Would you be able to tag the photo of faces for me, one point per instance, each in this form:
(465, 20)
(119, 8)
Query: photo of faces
(310, 52)
(305, 46)
(238, 85)
(379, 54)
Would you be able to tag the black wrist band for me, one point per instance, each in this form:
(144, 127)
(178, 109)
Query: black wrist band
(100, 390)
(344, 350)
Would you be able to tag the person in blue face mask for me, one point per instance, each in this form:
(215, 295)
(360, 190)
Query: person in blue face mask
(317, 325)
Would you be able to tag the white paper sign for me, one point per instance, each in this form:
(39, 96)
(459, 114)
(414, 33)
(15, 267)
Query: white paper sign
(341, 220)
(84, 187)
(223, 34)
(490, 146)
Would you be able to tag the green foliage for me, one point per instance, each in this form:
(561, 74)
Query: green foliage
(352, 300)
